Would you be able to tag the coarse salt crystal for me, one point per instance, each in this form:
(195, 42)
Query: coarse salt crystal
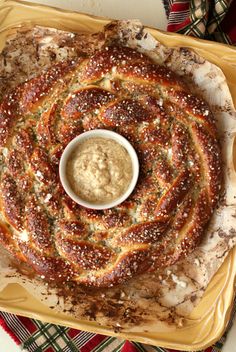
(39, 174)
(47, 198)
(160, 102)
(24, 236)
(4, 151)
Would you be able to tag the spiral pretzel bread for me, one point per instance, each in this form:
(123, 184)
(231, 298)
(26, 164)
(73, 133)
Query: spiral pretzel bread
(174, 135)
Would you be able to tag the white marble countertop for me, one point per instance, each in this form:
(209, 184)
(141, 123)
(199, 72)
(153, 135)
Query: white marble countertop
(150, 12)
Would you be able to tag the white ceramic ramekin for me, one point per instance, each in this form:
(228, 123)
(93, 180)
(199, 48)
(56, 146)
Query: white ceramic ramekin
(103, 134)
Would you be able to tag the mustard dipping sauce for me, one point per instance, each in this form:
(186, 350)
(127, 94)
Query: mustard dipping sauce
(99, 170)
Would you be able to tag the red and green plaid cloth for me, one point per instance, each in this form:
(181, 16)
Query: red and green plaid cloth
(206, 19)
(34, 336)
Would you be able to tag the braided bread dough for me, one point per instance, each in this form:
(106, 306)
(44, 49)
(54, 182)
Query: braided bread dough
(174, 134)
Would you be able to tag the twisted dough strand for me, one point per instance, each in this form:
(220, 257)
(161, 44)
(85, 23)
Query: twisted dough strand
(174, 134)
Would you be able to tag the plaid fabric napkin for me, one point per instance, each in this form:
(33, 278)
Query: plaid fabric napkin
(34, 336)
(206, 19)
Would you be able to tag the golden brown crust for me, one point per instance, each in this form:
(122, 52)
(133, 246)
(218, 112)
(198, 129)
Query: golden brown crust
(174, 134)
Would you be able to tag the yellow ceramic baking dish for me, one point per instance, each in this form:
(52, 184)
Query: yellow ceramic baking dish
(210, 317)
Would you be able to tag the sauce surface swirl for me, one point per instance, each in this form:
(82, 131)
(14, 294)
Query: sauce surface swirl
(99, 170)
